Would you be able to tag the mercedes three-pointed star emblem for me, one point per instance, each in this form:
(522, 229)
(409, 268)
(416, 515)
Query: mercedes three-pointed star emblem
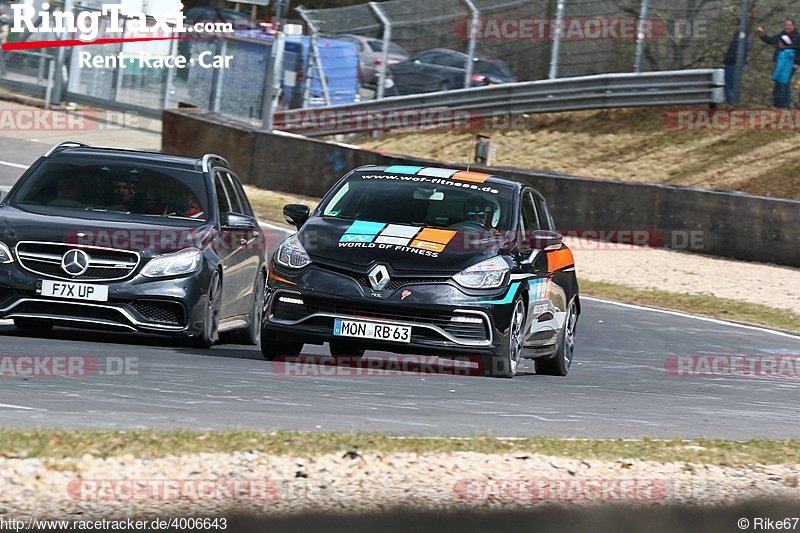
(75, 262)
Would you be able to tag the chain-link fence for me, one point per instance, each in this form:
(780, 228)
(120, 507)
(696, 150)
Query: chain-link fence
(537, 39)
(540, 39)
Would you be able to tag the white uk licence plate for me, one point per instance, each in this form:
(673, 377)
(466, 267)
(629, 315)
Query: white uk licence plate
(371, 330)
(74, 291)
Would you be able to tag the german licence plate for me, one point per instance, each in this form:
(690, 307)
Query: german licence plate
(371, 330)
(74, 291)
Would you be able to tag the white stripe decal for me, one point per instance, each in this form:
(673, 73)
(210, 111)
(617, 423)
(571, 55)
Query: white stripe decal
(436, 172)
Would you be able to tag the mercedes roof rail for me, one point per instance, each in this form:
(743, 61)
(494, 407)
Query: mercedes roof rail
(65, 144)
(213, 157)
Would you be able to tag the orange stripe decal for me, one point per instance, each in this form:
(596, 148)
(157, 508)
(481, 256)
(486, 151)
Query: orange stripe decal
(278, 278)
(441, 236)
(559, 259)
(474, 177)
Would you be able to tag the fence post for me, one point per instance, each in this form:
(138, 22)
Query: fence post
(314, 62)
(168, 82)
(387, 39)
(474, 21)
(61, 56)
(640, 37)
(559, 29)
(741, 51)
(119, 70)
(217, 78)
(272, 83)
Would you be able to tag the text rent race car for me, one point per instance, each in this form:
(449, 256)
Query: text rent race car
(425, 260)
(132, 241)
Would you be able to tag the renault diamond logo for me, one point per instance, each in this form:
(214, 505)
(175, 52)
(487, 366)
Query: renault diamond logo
(75, 262)
(378, 277)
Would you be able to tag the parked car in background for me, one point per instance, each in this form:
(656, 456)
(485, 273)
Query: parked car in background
(441, 69)
(370, 55)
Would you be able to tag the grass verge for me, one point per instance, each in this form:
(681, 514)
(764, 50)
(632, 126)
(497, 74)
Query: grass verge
(148, 444)
(696, 304)
(268, 205)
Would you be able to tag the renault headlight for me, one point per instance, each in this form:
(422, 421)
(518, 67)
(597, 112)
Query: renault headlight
(5, 254)
(174, 264)
(291, 253)
(488, 274)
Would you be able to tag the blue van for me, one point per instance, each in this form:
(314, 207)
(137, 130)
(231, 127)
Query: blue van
(339, 62)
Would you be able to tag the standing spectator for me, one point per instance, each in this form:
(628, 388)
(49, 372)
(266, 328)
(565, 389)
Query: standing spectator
(782, 75)
(730, 62)
(789, 29)
(4, 21)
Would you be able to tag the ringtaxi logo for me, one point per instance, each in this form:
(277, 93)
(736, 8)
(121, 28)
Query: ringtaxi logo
(116, 19)
(49, 366)
(133, 490)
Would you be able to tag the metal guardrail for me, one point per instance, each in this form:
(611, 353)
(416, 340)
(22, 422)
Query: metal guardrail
(679, 87)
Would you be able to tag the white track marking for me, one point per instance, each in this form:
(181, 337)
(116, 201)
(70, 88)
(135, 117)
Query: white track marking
(10, 406)
(687, 315)
(14, 165)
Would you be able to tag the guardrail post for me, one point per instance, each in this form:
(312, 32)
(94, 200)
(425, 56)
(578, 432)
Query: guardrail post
(48, 95)
(640, 37)
(559, 29)
(474, 21)
(387, 39)
(740, 51)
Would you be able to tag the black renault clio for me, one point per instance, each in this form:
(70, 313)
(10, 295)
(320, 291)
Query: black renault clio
(425, 260)
(131, 241)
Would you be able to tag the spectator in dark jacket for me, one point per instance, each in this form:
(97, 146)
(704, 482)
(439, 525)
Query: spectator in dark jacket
(789, 29)
(730, 62)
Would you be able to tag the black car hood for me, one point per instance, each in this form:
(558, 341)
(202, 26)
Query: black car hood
(359, 244)
(101, 229)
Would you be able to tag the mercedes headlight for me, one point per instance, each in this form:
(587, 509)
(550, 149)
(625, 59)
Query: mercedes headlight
(174, 264)
(488, 274)
(5, 254)
(291, 253)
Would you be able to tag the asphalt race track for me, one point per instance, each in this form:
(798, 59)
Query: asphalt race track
(618, 385)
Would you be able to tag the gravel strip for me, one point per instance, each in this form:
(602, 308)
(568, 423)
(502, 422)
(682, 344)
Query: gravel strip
(211, 484)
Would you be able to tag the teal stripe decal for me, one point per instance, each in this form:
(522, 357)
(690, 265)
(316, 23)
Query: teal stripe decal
(403, 169)
(512, 292)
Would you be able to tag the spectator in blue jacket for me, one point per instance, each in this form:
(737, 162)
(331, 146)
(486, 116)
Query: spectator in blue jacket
(782, 75)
